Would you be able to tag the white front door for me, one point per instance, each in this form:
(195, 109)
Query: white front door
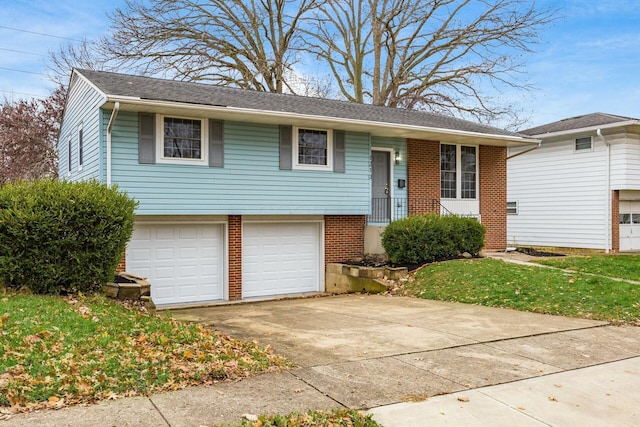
(183, 262)
(629, 225)
(281, 258)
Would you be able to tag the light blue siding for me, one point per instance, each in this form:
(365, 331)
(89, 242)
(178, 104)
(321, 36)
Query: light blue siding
(83, 104)
(251, 181)
(399, 170)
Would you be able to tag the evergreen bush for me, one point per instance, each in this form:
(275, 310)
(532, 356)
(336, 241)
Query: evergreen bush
(61, 237)
(419, 239)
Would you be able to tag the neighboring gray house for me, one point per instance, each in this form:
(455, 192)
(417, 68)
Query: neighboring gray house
(580, 188)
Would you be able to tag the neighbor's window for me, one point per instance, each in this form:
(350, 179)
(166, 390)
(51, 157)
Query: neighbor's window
(583, 144)
(80, 147)
(182, 138)
(313, 148)
(512, 208)
(69, 155)
(458, 171)
(625, 218)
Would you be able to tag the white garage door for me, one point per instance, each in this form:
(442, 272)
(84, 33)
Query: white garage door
(281, 258)
(629, 225)
(183, 263)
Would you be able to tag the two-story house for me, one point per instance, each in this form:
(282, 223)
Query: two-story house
(580, 188)
(249, 194)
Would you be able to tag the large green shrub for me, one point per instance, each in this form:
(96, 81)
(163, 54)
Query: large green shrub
(58, 237)
(426, 238)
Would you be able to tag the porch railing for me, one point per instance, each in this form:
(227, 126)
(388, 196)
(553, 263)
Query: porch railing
(387, 209)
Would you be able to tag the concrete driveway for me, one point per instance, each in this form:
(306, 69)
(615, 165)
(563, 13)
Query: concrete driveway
(365, 351)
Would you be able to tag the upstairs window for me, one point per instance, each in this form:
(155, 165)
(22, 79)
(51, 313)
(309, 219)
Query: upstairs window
(583, 144)
(458, 172)
(313, 148)
(183, 140)
(69, 155)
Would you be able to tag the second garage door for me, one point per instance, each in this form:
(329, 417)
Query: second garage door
(183, 262)
(281, 258)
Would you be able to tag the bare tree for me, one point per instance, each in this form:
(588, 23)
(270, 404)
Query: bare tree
(244, 43)
(436, 55)
(28, 133)
(86, 55)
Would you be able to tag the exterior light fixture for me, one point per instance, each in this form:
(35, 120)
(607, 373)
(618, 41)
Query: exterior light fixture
(398, 158)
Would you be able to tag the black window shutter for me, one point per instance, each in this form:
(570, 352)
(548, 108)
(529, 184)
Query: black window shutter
(216, 143)
(285, 147)
(338, 151)
(146, 138)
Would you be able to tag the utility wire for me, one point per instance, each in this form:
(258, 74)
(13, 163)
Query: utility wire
(23, 71)
(40, 34)
(22, 51)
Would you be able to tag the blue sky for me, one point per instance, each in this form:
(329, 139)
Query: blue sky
(587, 61)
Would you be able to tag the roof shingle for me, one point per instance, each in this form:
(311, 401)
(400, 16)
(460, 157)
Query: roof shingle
(578, 122)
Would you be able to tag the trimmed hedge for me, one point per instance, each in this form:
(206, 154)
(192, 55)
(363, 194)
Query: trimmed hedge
(420, 239)
(62, 237)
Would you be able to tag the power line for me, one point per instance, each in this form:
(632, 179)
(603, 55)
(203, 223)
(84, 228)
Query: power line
(22, 51)
(21, 93)
(40, 34)
(23, 71)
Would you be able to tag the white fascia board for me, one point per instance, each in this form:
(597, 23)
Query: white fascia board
(248, 112)
(587, 129)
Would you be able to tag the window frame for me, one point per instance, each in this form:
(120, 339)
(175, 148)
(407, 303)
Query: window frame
(69, 156)
(204, 142)
(583, 140)
(295, 148)
(80, 147)
(459, 172)
(514, 209)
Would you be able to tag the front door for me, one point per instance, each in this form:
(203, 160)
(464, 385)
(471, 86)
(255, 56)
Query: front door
(380, 186)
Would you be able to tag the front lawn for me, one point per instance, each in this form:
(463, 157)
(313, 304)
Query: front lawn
(60, 351)
(500, 284)
(336, 418)
(622, 266)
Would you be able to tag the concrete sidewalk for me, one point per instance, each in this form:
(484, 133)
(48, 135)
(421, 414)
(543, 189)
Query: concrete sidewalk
(380, 352)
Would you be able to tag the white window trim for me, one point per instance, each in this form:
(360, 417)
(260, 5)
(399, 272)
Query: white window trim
(583, 150)
(204, 142)
(294, 148)
(459, 170)
(516, 206)
(78, 147)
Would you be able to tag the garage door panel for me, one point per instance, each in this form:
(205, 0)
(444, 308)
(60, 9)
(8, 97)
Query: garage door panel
(183, 262)
(281, 258)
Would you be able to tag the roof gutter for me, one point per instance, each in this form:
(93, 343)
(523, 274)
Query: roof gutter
(112, 119)
(609, 220)
(587, 129)
(290, 115)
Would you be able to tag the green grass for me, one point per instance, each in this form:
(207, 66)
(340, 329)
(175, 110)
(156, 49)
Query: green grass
(59, 351)
(500, 284)
(622, 266)
(337, 418)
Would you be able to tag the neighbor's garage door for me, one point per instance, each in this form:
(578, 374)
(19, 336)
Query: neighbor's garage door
(183, 262)
(281, 258)
(629, 225)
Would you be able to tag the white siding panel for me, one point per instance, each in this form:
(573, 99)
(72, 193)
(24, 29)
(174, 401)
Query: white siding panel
(561, 196)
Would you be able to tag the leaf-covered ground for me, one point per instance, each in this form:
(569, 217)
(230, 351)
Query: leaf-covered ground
(61, 351)
(543, 290)
(338, 418)
(622, 266)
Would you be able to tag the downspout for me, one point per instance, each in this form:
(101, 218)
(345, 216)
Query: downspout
(609, 223)
(112, 119)
(525, 151)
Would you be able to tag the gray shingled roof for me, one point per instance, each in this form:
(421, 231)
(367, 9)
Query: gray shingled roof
(114, 84)
(578, 122)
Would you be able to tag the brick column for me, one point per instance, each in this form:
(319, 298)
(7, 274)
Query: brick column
(423, 176)
(343, 237)
(615, 221)
(235, 257)
(122, 265)
(493, 195)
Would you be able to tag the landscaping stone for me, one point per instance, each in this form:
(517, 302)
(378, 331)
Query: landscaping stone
(127, 286)
(347, 278)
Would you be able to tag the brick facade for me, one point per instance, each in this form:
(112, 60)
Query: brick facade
(235, 257)
(122, 265)
(423, 176)
(343, 237)
(493, 195)
(615, 221)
